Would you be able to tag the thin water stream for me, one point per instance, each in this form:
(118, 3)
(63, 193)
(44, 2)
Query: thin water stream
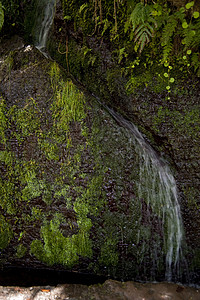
(157, 187)
(46, 10)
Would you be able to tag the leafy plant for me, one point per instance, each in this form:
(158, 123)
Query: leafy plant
(1, 15)
(21, 251)
(143, 25)
(57, 248)
(6, 233)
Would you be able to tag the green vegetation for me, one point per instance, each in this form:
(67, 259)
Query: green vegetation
(155, 43)
(5, 232)
(59, 249)
(21, 251)
(186, 122)
(1, 15)
(50, 172)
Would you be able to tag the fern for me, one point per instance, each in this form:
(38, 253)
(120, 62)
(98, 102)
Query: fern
(169, 30)
(167, 35)
(192, 36)
(143, 25)
(167, 50)
(139, 15)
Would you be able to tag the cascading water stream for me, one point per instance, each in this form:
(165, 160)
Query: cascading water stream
(43, 24)
(157, 187)
(156, 184)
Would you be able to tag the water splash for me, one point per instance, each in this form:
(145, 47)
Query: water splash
(157, 186)
(44, 20)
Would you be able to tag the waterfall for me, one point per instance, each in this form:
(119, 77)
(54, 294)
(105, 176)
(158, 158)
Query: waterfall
(157, 186)
(44, 20)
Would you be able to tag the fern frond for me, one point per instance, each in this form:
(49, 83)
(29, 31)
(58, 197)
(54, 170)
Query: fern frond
(180, 14)
(137, 16)
(167, 50)
(143, 24)
(150, 27)
(144, 39)
(169, 30)
(139, 29)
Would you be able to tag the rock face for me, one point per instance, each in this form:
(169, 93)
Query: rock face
(108, 291)
(70, 177)
(72, 171)
(171, 124)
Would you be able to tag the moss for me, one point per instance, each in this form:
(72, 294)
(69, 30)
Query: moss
(58, 249)
(191, 194)
(196, 259)
(6, 233)
(185, 122)
(21, 251)
(109, 255)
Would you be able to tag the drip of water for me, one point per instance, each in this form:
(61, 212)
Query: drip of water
(44, 22)
(157, 187)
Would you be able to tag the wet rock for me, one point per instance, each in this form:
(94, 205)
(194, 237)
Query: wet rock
(110, 290)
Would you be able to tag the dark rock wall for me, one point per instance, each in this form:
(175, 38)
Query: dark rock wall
(171, 125)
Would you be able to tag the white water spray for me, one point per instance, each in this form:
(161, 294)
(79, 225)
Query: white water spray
(158, 187)
(45, 21)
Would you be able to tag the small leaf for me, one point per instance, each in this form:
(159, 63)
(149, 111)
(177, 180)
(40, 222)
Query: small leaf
(68, 18)
(185, 24)
(196, 14)
(171, 80)
(193, 32)
(168, 87)
(189, 52)
(166, 75)
(166, 64)
(184, 57)
(189, 5)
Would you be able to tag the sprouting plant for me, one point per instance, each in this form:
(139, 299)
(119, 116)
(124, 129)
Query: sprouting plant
(143, 25)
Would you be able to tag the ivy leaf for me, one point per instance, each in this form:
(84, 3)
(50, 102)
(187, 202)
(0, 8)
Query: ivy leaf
(189, 5)
(196, 14)
(185, 24)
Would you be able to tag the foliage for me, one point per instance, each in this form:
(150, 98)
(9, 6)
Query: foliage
(186, 122)
(13, 15)
(3, 121)
(68, 106)
(153, 29)
(143, 25)
(1, 15)
(50, 172)
(21, 251)
(6, 233)
(27, 119)
(57, 248)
